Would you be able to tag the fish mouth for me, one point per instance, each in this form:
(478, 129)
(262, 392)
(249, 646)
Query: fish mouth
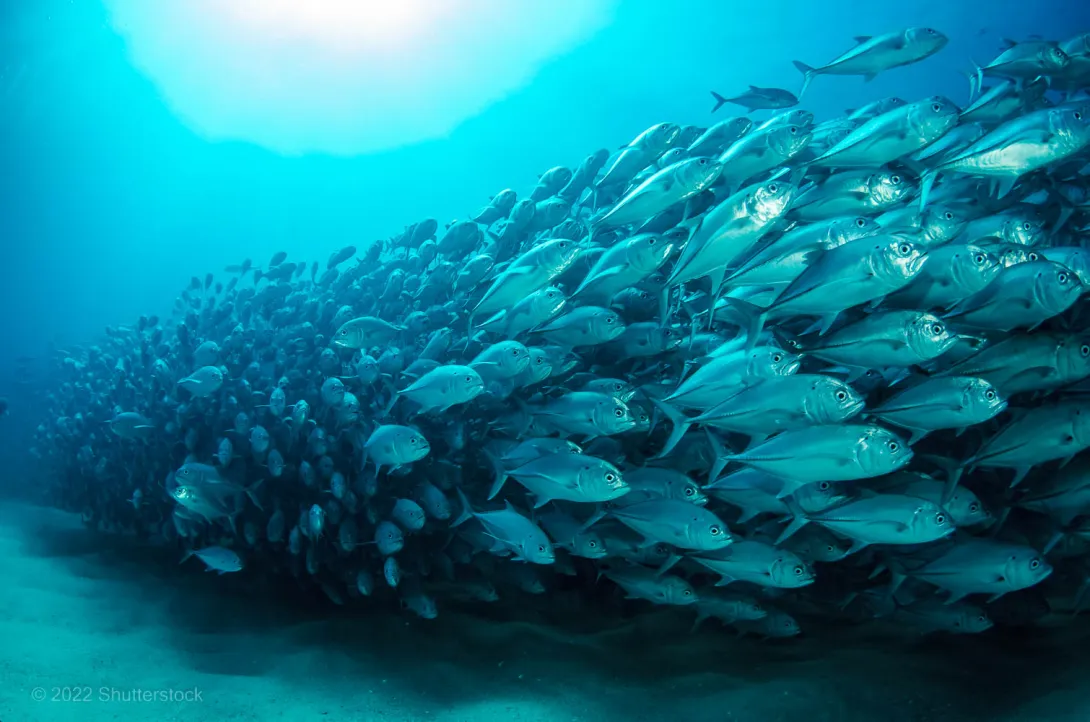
(916, 264)
(854, 408)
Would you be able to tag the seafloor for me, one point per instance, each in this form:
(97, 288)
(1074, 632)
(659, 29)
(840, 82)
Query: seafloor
(87, 615)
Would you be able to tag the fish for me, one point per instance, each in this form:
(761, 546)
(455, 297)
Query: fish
(656, 588)
(848, 452)
(876, 54)
(946, 402)
(1018, 147)
(893, 134)
(394, 446)
(511, 532)
(757, 563)
(217, 559)
(365, 332)
(758, 99)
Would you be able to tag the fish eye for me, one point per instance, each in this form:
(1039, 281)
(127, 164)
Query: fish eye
(1078, 115)
(936, 107)
(514, 352)
(860, 222)
(609, 319)
(1035, 564)
(978, 259)
(974, 508)
(541, 548)
(1084, 350)
(592, 544)
(948, 216)
(344, 331)
(469, 378)
(412, 441)
(610, 477)
(1033, 256)
(618, 413)
(824, 485)
(562, 244)
(799, 571)
(772, 187)
(937, 329)
(905, 249)
(982, 619)
(1062, 278)
(703, 161)
(830, 549)
(841, 395)
(651, 241)
(715, 531)
(776, 358)
(895, 179)
(990, 395)
(940, 518)
(687, 593)
(893, 446)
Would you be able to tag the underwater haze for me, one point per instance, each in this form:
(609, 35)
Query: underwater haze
(584, 360)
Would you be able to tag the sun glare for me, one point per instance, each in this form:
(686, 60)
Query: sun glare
(345, 76)
(344, 24)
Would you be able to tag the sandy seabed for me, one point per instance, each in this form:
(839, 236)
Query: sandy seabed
(96, 628)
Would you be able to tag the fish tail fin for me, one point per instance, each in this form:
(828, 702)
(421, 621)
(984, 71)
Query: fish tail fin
(719, 453)
(848, 599)
(498, 470)
(596, 517)
(1000, 521)
(185, 557)
(251, 491)
(953, 468)
(807, 75)
(927, 182)
(755, 318)
(680, 424)
(798, 521)
(720, 101)
(467, 510)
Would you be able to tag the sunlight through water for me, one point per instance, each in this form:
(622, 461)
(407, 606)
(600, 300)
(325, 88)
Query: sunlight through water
(344, 76)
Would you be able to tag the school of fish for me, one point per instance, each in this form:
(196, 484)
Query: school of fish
(773, 372)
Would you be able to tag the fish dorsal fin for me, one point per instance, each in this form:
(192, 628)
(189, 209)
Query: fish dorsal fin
(754, 88)
(862, 38)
